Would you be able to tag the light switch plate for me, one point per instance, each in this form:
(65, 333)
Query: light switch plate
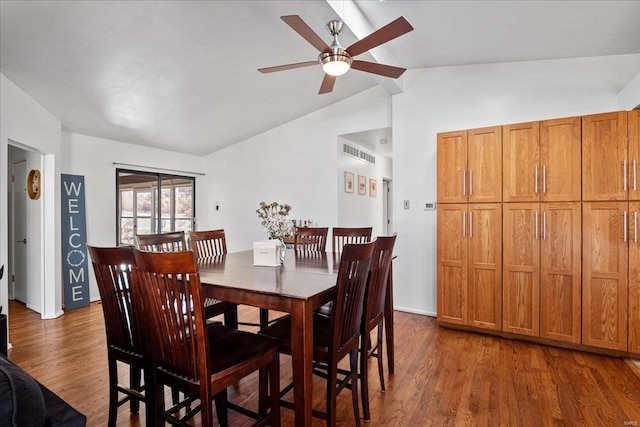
(406, 204)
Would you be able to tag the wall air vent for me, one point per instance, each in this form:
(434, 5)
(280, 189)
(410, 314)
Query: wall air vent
(352, 151)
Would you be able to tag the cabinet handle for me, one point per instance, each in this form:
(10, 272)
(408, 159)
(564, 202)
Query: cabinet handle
(535, 233)
(464, 224)
(635, 227)
(464, 182)
(470, 224)
(624, 175)
(635, 175)
(544, 179)
(535, 180)
(470, 182)
(544, 225)
(624, 227)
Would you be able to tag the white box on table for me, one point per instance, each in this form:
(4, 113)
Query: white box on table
(266, 253)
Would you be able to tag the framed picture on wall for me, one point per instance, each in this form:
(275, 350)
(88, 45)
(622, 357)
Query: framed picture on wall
(348, 182)
(373, 187)
(362, 184)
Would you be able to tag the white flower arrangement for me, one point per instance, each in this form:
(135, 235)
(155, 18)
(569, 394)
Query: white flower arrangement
(274, 218)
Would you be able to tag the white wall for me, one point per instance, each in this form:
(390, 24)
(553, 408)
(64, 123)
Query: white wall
(294, 163)
(356, 210)
(452, 98)
(94, 159)
(25, 122)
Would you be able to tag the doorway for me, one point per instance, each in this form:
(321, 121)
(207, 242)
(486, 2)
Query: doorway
(387, 204)
(18, 232)
(24, 215)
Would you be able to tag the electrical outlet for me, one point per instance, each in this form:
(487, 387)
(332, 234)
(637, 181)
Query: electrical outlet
(429, 206)
(406, 204)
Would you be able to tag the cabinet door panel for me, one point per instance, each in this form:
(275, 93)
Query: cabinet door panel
(520, 162)
(452, 263)
(521, 266)
(485, 266)
(452, 166)
(605, 274)
(561, 160)
(560, 267)
(604, 153)
(634, 154)
(484, 165)
(634, 277)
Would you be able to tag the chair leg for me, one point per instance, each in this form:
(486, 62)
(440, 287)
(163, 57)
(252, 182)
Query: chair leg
(206, 411)
(353, 362)
(365, 343)
(332, 380)
(157, 396)
(221, 409)
(264, 318)
(149, 396)
(275, 390)
(379, 352)
(113, 391)
(135, 375)
(263, 390)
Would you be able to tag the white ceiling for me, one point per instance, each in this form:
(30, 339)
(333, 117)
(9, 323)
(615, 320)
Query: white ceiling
(181, 75)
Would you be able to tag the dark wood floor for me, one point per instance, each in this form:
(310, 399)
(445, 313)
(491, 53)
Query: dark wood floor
(442, 377)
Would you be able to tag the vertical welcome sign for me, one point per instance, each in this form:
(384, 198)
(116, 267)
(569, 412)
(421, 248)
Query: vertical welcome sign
(75, 269)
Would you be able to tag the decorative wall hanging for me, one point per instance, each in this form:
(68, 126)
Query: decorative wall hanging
(34, 184)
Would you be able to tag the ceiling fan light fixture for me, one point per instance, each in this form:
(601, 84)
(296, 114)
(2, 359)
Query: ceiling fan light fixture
(335, 64)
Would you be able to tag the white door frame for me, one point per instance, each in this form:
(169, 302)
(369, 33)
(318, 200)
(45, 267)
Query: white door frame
(387, 206)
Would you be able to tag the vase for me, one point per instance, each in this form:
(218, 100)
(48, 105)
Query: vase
(283, 250)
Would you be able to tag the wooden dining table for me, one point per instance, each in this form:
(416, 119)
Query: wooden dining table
(299, 286)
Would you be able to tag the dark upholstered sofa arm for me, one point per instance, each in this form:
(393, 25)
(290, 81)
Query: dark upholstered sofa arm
(24, 402)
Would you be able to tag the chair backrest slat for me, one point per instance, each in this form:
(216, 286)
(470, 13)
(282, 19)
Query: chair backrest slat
(209, 243)
(170, 285)
(311, 239)
(345, 235)
(349, 304)
(163, 242)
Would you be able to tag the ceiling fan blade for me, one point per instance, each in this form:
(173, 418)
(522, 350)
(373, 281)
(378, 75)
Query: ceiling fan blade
(327, 84)
(301, 27)
(389, 32)
(381, 69)
(287, 66)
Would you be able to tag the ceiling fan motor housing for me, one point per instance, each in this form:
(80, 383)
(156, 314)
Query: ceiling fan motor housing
(337, 61)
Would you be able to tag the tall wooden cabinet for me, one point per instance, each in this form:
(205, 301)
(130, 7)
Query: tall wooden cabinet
(470, 166)
(605, 283)
(470, 264)
(634, 277)
(605, 164)
(542, 270)
(542, 161)
(539, 230)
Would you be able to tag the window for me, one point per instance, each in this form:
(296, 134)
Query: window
(150, 203)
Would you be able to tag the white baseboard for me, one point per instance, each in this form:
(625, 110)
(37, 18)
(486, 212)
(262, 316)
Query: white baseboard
(414, 311)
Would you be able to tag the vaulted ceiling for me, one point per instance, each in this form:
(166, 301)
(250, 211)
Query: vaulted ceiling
(181, 75)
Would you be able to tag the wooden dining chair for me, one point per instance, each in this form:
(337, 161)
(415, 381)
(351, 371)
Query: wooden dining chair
(162, 242)
(344, 235)
(208, 244)
(373, 314)
(200, 359)
(310, 239)
(112, 268)
(177, 241)
(337, 336)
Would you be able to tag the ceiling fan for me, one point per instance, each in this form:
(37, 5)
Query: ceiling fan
(335, 59)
